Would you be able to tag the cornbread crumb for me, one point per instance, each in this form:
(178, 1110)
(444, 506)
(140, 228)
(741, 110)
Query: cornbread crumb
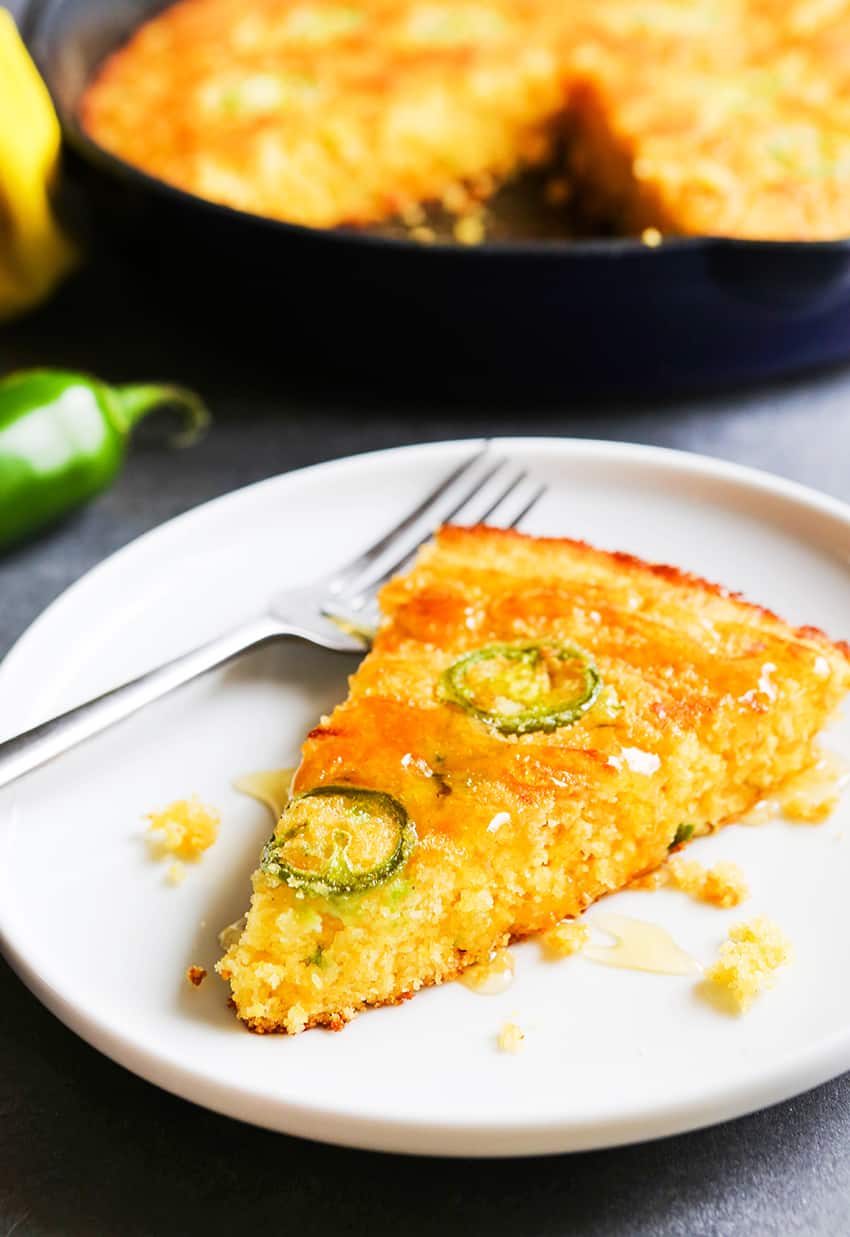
(469, 230)
(723, 885)
(657, 879)
(511, 1038)
(748, 960)
(176, 873)
(196, 975)
(185, 828)
(425, 235)
(651, 237)
(412, 215)
(455, 199)
(566, 938)
(296, 1020)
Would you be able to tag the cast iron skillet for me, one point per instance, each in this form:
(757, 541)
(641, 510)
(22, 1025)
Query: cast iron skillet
(597, 315)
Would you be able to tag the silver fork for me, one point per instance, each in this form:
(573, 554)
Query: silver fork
(334, 612)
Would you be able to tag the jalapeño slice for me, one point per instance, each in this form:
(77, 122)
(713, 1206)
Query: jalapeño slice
(338, 840)
(520, 688)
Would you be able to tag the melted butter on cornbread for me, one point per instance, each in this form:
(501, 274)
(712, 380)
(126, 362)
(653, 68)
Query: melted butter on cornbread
(809, 796)
(491, 977)
(271, 788)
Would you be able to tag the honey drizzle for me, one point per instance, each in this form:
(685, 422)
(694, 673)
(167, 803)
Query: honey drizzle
(639, 946)
(492, 977)
(271, 788)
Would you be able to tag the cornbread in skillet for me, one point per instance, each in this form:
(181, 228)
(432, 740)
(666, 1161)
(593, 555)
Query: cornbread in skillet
(723, 117)
(536, 722)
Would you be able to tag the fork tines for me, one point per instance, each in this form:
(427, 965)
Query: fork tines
(483, 487)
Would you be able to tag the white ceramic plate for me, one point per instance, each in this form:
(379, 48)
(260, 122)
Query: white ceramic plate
(91, 925)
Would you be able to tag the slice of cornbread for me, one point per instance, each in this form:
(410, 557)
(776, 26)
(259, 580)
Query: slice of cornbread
(535, 722)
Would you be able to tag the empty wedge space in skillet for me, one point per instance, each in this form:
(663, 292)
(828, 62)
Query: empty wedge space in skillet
(535, 724)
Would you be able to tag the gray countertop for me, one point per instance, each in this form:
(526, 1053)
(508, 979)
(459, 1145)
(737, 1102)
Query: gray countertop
(85, 1147)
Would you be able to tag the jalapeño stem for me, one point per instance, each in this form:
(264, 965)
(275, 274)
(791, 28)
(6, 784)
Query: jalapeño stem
(133, 401)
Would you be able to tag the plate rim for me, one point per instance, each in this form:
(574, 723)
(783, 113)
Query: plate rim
(824, 1058)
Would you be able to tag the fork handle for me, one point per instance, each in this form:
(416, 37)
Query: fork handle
(35, 747)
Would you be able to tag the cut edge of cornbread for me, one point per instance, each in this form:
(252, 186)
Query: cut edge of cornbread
(585, 811)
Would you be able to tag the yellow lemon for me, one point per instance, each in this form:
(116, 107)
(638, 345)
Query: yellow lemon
(34, 253)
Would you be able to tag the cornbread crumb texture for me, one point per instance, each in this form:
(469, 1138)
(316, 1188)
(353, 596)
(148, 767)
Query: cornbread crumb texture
(196, 975)
(186, 828)
(566, 938)
(723, 885)
(749, 960)
(720, 117)
(511, 1038)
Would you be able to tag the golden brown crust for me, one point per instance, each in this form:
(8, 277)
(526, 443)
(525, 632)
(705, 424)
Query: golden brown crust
(455, 534)
(338, 1020)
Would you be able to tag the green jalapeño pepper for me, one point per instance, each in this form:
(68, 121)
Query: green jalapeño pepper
(520, 688)
(63, 439)
(338, 840)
